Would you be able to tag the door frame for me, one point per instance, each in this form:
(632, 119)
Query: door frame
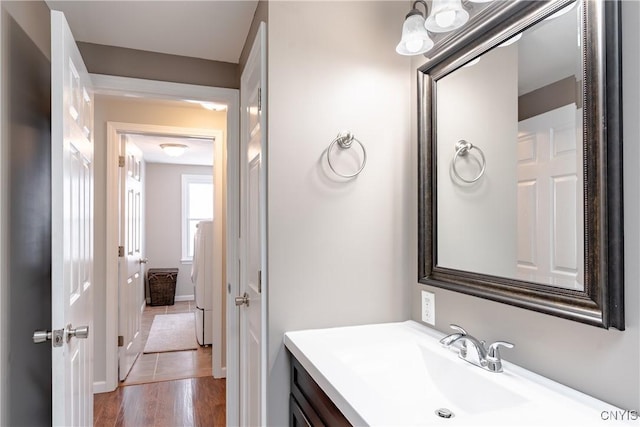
(114, 129)
(229, 151)
(257, 57)
(4, 288)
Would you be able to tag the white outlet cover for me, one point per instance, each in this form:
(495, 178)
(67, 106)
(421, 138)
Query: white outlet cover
(428, 308)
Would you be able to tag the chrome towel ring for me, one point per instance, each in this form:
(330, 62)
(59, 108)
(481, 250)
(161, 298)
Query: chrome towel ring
(344, 141)
(462, 149)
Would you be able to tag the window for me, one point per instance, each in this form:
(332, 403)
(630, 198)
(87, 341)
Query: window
(197, 205)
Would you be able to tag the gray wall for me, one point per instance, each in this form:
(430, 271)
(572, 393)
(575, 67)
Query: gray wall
(467, 214)
(339, 252)
(119, 61)
(163, 220)
(261, 15)
(26, 212)
(601, 363)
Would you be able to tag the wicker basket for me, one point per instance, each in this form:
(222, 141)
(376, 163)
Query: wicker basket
(162, 285)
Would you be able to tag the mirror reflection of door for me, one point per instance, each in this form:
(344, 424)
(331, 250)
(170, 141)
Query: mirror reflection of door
(550, 214)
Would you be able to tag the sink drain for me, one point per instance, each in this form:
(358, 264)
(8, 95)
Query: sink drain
(444, 413)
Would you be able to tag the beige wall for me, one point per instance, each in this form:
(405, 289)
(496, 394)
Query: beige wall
(129, 110)
(163, 220)
(118, 61)
(339, 252)
(598, 362)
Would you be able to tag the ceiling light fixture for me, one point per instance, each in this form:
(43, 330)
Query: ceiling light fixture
(512, 40)
(211, 106)
(415, 38)
(173, 150)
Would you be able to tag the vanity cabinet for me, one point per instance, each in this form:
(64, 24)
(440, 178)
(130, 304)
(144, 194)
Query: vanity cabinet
(309, 406)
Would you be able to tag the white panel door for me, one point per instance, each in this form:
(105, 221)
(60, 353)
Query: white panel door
(131, 300)
(72, 229)
(550, 214)
(253, 237)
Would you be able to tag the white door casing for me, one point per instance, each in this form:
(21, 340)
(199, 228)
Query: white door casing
(550, 215)
(253, 272)
(114, 132)
(72, 227)
(3, 250)
(131, 272)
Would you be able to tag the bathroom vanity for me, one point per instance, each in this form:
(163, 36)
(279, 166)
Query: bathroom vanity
(397, 374)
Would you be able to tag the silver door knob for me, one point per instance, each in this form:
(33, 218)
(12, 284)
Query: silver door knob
(144, 260)
(243, 300)
(79, 332)
(44, 336)
(41, 336)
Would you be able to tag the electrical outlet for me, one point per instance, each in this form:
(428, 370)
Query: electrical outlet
(428, 308)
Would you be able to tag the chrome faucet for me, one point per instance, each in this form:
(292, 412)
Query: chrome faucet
(486, 358)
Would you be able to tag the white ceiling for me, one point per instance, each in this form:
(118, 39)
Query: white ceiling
(214, 30)
(200, 151)
(549, 52)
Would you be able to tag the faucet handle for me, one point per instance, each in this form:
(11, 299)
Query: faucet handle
(494, 351)
(458, 328)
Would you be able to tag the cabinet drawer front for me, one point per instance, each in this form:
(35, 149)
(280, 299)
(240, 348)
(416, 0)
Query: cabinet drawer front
(312, 401)
(297, 416)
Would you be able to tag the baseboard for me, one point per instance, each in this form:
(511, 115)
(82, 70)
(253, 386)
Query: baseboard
(222, 373)
(100, 387)
(177, 298)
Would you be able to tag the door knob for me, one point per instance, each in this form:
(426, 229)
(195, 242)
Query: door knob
(79, 332)
(144, 260)
(243, 300)
(44, 336)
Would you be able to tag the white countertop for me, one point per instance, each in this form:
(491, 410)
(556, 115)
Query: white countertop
(397, 374)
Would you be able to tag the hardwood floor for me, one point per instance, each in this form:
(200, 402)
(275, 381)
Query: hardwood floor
(165, 389)
(190, 402)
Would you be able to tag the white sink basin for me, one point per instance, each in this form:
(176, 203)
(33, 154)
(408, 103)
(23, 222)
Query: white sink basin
(397, 374)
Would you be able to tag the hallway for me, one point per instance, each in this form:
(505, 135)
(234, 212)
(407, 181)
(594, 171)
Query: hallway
(165, 389)
(172, 365)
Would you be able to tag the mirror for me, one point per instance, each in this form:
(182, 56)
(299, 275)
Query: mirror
(520, 167)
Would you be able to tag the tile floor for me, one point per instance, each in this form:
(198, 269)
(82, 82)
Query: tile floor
(155, 367)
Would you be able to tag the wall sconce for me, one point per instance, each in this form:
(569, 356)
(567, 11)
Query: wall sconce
(173, 150)
(415, 38)
(446, 15)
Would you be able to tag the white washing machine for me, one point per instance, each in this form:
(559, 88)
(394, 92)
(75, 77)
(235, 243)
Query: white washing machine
(202, 278)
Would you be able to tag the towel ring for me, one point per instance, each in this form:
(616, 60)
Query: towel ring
(462, 149)
(344, 141)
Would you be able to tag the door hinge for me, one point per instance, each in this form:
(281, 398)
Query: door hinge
(259, 281)
(120, 341)
(259, 99)
(121, 161)
(120, 251)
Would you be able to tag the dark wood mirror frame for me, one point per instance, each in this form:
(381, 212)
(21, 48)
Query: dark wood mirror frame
(602, 301)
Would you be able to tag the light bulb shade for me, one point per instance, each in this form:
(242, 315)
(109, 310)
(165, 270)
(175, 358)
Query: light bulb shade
(173, 150)
(446, 15)
(415, 39)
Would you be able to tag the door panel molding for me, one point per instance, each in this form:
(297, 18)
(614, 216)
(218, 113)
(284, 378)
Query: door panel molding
(240, 359)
